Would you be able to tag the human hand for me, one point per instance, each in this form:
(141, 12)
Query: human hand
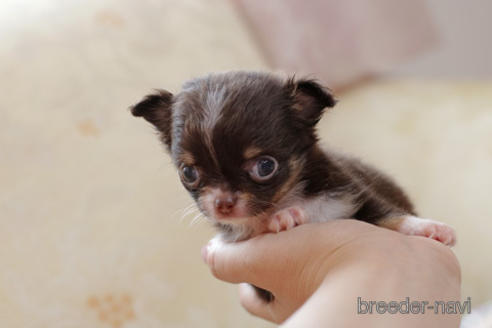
(319, 263)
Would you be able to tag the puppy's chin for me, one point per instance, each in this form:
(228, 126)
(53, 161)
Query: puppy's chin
(237, 228)
(238, 216)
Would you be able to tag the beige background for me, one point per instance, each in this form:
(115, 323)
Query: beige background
(91, 211)
(465, 46)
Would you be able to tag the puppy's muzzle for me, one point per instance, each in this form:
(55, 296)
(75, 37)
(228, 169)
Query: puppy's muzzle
(224, 203)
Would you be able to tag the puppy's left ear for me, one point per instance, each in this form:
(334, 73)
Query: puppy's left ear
(310, 100)
(157, 109)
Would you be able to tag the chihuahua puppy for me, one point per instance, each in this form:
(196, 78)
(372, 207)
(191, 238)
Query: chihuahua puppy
(246, 149)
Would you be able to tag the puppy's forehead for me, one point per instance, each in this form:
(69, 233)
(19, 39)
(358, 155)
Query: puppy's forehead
(231, 113)
(229, 93)
(232, 100)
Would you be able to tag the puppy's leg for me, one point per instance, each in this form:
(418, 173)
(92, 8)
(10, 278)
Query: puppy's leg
(415, 226)
(286, 219)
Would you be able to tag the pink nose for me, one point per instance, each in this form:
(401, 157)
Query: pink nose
(224, 203)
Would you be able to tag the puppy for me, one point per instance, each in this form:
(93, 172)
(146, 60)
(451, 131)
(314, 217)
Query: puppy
(246, 149)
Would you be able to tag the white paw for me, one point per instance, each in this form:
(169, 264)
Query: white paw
(286, 219)
(428, 228)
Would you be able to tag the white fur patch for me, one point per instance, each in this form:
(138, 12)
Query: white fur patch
(212, 113)
(324, 208)
(213, 109)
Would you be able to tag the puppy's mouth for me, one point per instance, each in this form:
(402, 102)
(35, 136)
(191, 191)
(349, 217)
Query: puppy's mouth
(236, 215)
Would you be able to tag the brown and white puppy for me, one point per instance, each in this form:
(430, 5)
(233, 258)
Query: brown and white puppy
(246, 149)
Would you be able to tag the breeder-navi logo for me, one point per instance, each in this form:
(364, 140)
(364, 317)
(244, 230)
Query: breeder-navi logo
(413, 307)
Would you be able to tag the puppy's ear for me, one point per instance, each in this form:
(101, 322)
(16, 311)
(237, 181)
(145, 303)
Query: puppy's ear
(310, 100)
(157, 109)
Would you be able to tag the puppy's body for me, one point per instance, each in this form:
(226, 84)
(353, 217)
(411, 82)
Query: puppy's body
(330, 187)
(246, 149)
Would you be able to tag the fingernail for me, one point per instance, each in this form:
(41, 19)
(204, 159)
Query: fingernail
(204, 252)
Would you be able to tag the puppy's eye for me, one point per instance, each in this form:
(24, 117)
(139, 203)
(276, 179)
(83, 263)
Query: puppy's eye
(263, 168)
(190, 174)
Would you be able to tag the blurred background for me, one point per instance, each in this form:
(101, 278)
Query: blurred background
(93, 226)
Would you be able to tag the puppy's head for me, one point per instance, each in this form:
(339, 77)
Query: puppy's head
(238, 139)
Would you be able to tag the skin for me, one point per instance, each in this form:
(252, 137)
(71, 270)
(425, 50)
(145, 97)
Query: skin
(317, 284)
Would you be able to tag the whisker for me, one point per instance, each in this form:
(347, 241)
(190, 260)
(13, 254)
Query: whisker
(196, 219)
(190, 210)
(185, 212)
(182, 209)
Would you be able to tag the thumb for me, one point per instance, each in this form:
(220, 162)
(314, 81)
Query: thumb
(237, 262)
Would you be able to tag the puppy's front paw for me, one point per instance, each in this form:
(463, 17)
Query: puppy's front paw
(437, 231)
(286, 219)
(414, 226)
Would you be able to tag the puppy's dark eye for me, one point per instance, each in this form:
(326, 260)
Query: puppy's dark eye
(190, 174)
(263, 168)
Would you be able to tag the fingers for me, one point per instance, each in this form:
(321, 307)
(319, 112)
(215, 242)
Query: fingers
(253, 304)
(261, 260)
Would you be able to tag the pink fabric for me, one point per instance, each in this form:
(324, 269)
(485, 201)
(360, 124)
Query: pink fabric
(338, 41)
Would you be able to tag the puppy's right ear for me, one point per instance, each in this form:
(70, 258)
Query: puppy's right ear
(157, 109)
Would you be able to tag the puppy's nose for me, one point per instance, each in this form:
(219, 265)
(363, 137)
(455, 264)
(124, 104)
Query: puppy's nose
(225, 203)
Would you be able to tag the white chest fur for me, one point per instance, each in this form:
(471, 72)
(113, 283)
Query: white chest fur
(325, 208)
